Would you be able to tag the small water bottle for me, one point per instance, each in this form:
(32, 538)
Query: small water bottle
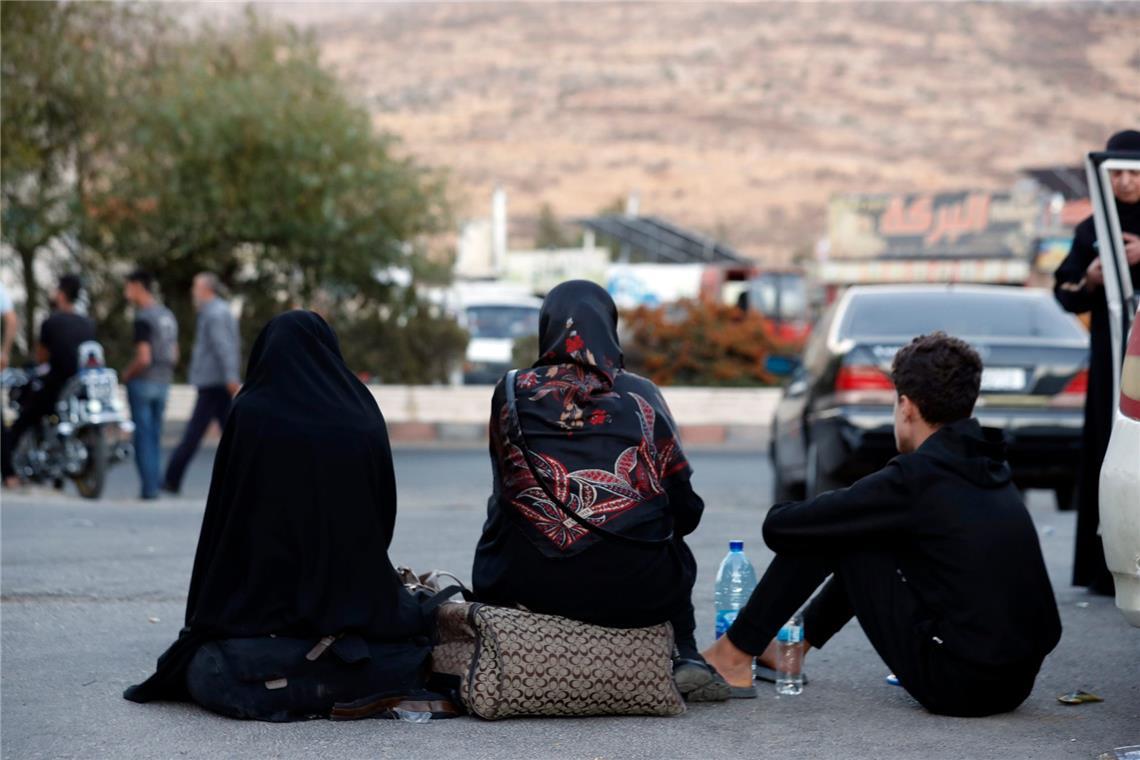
(790, 658)
(734, 583)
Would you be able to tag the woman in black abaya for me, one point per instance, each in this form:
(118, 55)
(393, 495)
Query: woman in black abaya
(293, 603)
(1080, 288)
(604, 444)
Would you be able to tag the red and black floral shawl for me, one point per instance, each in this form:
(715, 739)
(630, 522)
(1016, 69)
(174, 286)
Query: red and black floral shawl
(602, 438)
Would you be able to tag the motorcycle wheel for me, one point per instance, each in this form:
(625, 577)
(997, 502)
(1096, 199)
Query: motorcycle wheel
(94, 477)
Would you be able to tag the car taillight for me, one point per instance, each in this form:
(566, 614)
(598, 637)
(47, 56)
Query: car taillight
(1073, 394)
(1130, 376)
(862, 378)
(864, 384)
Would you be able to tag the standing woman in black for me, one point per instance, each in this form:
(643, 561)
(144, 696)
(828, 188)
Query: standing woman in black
(600, 442)
(1080, 288)
(293, 603)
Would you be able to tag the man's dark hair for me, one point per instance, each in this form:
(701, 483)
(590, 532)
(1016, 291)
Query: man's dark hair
(142, 277)
(941, 375)
(70, 285)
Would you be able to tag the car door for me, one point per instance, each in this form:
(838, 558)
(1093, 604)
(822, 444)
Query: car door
(1118, 291)
(789, 429)
(1120, 472)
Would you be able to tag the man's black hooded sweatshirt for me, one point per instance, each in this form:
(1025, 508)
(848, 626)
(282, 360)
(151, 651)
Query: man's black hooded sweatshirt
(961, 536)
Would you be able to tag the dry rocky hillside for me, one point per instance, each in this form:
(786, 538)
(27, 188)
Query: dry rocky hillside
(737, 119)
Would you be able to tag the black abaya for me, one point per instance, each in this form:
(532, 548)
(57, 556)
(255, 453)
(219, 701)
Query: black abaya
(300, 512)
(1089, 567)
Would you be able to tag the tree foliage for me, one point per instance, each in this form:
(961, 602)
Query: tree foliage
(700, 343)
(551, 233)
(62, 66)
(231, 150)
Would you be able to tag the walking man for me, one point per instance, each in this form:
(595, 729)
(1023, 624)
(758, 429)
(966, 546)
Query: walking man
(149, 375)
(213, 371)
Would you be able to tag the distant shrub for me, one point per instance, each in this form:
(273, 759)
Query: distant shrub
(699, 343)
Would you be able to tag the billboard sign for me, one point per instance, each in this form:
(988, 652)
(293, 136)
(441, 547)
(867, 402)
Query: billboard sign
(932, 225)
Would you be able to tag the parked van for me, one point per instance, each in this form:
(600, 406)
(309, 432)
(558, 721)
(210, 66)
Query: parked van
(495, 317)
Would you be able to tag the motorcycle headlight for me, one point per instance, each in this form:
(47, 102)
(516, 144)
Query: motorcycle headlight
(94, 406)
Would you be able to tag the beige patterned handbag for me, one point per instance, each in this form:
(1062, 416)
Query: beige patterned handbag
(513, 663)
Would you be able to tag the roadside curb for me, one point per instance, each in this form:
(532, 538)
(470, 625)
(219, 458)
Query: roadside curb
(474, 435)
(692, 436)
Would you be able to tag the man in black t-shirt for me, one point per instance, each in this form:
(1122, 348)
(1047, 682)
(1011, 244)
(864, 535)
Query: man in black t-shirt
(60, 337)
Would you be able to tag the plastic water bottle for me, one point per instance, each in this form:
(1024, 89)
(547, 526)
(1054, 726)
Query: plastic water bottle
(734, 583)
(790, 657)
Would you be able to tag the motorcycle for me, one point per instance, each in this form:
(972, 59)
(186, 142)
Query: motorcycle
(87, 433)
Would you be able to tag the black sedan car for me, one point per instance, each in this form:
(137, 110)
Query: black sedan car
(834, 422)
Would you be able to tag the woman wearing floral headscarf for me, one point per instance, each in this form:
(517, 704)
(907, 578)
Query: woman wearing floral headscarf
(592, 494)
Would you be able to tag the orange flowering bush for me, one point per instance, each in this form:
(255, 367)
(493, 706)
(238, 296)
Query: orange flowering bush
(700, 343)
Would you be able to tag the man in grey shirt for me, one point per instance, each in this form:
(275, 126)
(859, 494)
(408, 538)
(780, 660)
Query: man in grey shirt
(213, 370)
(149, 375)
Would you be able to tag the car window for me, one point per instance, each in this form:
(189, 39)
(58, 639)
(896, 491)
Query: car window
(906, 314)
(780, 295)
(815, 353)
(502, 321)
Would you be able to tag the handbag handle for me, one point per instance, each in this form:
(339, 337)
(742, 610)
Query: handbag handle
(515, 433)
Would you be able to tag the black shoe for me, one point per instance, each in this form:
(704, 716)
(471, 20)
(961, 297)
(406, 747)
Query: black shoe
(167, 488)
(698, 682)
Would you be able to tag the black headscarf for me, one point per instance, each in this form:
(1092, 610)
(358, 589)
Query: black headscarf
(1126, 139)
(1128, 213)
(301, 509)
(602, 438)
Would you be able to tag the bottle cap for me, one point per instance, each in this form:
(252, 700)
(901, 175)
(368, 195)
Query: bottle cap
(736, 546)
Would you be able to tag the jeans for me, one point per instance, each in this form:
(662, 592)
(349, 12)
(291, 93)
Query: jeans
(213, 403)
(148, 404)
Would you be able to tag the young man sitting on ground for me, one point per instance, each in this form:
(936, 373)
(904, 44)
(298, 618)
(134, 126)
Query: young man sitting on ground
(935, 555)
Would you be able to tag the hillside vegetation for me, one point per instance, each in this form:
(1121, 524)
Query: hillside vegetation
(742, 119)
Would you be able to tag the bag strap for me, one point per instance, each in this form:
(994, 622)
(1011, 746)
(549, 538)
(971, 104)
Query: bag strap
(443, 596)
(515, 434)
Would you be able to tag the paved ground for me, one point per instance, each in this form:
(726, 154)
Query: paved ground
(93, 592)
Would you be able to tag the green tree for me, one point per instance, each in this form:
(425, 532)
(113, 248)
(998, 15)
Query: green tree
(550, 233)
(615, 207)
(62, 66)
(248, 159)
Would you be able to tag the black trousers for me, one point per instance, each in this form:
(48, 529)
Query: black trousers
(36, 404)
(271, 679)
(213, 403)
(684, 621)
(869, 586)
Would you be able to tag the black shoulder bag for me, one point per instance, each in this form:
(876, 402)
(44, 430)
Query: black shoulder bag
(515, 434)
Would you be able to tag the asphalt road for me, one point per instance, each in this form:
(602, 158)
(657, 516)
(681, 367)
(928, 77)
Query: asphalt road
(93, 593)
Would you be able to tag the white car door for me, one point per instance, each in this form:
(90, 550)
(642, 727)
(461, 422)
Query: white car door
(1120, 473)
